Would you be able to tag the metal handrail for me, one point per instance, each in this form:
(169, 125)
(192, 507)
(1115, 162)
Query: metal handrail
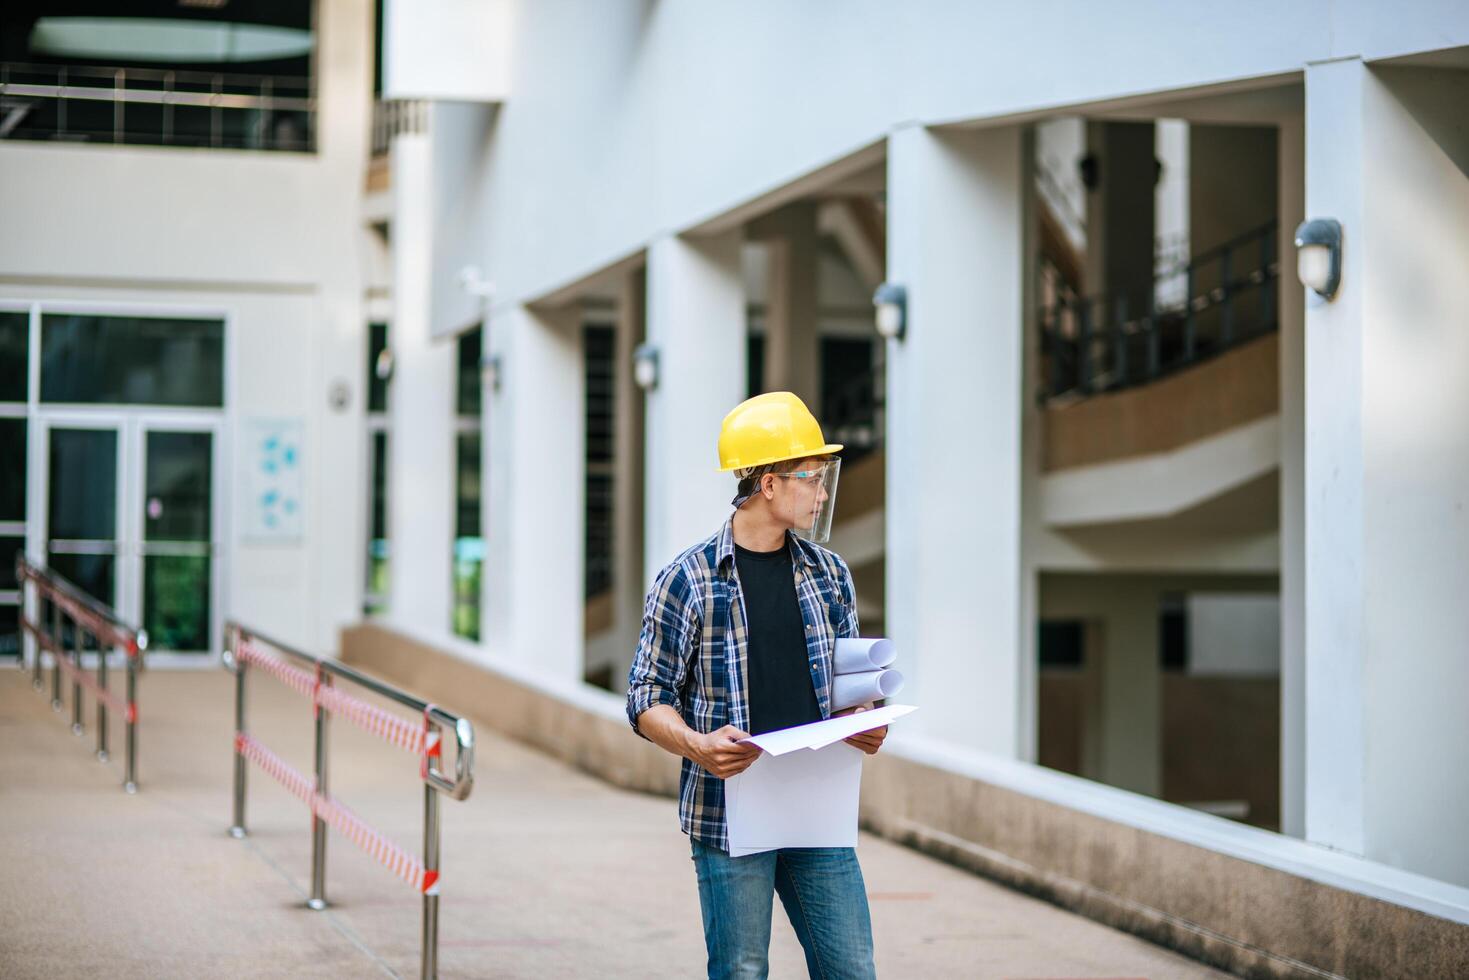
(216, 92)
(1104, 342)
(88, 615)
(317, 683)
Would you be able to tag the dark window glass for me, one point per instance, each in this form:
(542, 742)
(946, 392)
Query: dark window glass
(132, 360)
(8, 547)
(377, 388)
(377, 543)
(847, 392)
(178, 475)
(92, 573)
(601, 389)
(83, 485)
(469, 547)
(14, 341)
(9, 631)
(176, 602)
(599, 534)
(1173, 632)
(1061, 643)
(600, 353)
(12, 469)
(468, 400)
(755, 364)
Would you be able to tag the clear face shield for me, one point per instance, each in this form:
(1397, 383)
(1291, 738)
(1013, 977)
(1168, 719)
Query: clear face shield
(807, 497)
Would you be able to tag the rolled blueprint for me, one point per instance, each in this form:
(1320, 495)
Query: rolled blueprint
(860, 656)
(850, 690)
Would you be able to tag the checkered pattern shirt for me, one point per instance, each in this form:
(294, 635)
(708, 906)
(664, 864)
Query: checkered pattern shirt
(693, 647)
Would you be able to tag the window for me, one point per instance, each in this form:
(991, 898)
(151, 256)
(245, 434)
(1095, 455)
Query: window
(469, 545)
(15, 328)
(130, 360)
(599, 345)
(375, 591)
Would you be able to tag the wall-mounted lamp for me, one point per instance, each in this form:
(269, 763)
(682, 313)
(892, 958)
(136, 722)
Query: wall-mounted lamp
(891, 301)
(383, 366)
(491, 368)
(1318, 255)
(645, 366)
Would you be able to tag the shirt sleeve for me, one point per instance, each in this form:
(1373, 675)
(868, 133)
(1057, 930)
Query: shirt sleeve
(665, 645)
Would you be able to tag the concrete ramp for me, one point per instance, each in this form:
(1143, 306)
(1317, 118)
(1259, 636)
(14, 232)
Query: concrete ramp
(547, 872)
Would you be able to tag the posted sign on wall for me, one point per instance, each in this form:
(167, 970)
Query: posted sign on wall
(273, 486)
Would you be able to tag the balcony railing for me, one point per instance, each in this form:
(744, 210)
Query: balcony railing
(1094, 344)
(156, 107)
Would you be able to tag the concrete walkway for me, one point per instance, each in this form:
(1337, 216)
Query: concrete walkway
(546, 871)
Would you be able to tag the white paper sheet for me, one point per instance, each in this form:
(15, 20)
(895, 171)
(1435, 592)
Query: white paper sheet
(803, 790)
(848, 690)
(857, 656)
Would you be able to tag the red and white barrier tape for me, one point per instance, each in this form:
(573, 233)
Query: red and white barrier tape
(336, 815)
(299, 680)
(113, 701)
(422, 741)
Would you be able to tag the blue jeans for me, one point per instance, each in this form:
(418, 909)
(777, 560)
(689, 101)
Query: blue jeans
(823, 894)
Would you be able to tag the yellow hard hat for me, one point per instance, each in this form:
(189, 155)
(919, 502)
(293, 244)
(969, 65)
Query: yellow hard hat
(767, 429)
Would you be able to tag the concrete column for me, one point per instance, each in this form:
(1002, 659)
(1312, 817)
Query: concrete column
(420, 407)
(1291, 299)
(534, 600)
(955, 240)
(696, 319)
(628, 583)
(792, 341)
(1131, 717)
(1387, 420)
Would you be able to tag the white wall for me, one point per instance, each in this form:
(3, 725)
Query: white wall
(676, 144)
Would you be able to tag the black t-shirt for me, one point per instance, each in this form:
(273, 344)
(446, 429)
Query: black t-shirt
(779, 675)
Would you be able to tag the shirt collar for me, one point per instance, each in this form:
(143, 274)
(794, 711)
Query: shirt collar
(724, 551)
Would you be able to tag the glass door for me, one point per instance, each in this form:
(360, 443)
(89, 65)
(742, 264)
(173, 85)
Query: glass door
(132, 513)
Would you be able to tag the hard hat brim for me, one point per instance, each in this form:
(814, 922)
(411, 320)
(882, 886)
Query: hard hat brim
(826, 450)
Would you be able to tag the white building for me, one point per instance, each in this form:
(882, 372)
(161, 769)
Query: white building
(1133, 503)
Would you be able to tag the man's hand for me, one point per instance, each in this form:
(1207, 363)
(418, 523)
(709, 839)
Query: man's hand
(868, 741)
(721, 753)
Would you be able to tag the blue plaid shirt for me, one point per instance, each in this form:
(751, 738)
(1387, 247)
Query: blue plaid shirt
(693, 646)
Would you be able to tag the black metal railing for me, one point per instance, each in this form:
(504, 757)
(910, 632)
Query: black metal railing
(156, 107)
(1094, 344)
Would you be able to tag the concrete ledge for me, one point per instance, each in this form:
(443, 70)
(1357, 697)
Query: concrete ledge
(575, 723)
(1255, 903)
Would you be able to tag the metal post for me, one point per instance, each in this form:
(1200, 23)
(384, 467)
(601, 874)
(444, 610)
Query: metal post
(237, 829)
(1226, 328)
(318, 825)
(76, 678)
(1267, 290)
(57, 646)
(37, 681)
(1084, 349)
(167, 108)
(430, 963)
(102, 702)
(1188, 317)
(1119, 341)
(119, 86)
(214, 120)
(130, 779)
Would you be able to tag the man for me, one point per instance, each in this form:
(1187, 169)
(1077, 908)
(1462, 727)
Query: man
(737, 639)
